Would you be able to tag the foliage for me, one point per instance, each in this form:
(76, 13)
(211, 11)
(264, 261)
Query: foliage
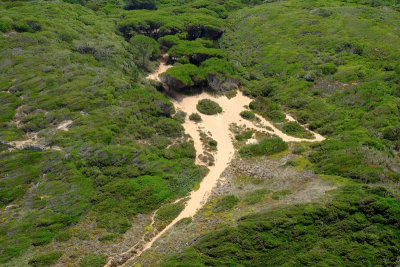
(93, 260)
(195, 117)
(168, 212)
(248, 115)
(364, 224)
(334, 65)
(295, 129)
(46, 259)
(145, 47)
(208, 107)
(225, 203)
(264, 148)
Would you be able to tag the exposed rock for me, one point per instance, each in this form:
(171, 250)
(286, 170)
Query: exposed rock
(34, 147)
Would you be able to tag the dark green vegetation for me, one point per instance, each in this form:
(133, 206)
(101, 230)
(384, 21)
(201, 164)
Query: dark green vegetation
(264, 148)
(208, 107)
(335, 66)
(169, 211)
(195, 117)
(359, 227)
(295, 129)
(93, 260)
(248, 115)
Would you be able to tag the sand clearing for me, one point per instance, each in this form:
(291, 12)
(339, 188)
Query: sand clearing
(218, 125)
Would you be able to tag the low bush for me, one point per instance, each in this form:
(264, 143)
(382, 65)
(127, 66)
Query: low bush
(225, 203)
(46, 259)
(295, 129)
(195, 117)
(168, 212)
(248, 115)
(264, 148)
(208, 107)
(93, 260)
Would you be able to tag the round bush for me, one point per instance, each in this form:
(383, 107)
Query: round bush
(248, 115)
(208, 107)
(195, 117)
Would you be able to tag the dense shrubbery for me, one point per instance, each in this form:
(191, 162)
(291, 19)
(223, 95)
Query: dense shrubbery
(247, 114)
(357, 228)
(208, 107)
(295, 129)
(168, 212)
(341, 85)
(264, 148)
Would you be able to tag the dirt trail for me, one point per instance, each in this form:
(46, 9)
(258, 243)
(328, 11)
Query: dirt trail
(219, 127)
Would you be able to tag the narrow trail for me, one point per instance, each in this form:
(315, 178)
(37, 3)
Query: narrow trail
(219, 127)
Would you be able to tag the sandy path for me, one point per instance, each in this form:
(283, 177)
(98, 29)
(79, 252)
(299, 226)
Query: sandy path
(219, 127)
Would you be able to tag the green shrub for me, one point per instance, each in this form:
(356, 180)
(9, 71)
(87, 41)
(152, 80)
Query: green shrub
(248, 115)
(255, 196)
(168, 212)
(392, 133)
(93, 260)
(63, 236)
(208, 107)
(225, 203)
(46, 259)
(168, 127)
(107, 237)
(195, 117)
(264, 148)
(276, 116)
(295, 129)
(212, 143)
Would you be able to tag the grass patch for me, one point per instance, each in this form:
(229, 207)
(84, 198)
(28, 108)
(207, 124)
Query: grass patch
(225, 203)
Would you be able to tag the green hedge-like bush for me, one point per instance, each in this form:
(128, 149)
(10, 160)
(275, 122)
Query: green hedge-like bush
(248, 115)
(208, 107)
(295, 129)
(264, 148)
(169, 211)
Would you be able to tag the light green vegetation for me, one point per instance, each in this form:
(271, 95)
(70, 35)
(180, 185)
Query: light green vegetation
(264, 148)
(335, 66)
